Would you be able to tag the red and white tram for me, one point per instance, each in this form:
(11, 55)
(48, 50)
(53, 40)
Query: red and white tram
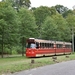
(38, 47)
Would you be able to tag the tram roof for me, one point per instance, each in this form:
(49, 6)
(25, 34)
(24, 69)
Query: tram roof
(68, 43)
(44, 41)
(49, 41)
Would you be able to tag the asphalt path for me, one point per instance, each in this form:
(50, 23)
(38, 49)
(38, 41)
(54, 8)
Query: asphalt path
(63, 68)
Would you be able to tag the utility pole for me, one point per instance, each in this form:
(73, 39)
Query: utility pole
(72, 39)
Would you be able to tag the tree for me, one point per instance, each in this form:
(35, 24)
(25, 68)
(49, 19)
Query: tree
(8, 25)
(66, 13)
(49, 29)
(53, 11)
(63, 30)
(32, 9)
(19, 3)
(71, 21)
(40, 14)
(56, 28)
(27, 26)
(61, 9)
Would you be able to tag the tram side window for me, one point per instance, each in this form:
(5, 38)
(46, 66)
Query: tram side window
(51, 45)
(59, 45)
(42, 45)
(37, 45)
(67, 46)
(46, 45)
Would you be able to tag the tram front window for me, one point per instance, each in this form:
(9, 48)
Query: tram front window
(31, 45)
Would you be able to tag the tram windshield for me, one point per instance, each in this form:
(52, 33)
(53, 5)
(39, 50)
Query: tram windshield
(31, 45)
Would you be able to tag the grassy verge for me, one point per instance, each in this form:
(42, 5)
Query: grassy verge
(15, 64)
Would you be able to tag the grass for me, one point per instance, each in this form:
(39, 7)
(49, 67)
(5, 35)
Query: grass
(19, 63)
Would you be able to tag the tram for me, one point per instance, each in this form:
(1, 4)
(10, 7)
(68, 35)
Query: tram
(39, 47)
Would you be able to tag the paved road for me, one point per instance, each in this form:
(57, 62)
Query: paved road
(63, 68)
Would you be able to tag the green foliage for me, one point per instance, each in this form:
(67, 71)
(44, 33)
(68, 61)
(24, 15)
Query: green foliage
(71, 20)
(28, 25)
(62, 27)
(49, 29)
(3, 4)
(53, 11)
(42, 22)
(56, 28)
(69, 12)
(41, 13)
(19, 3)
(9, 26)
(14, 50)
(61, 9)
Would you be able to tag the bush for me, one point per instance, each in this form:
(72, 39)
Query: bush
(14, 50)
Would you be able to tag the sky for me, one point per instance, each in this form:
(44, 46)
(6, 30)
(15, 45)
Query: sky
(67, 3)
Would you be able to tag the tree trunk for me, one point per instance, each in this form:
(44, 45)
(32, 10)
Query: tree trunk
(2, 49)
(23, 47)
(2, 42)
